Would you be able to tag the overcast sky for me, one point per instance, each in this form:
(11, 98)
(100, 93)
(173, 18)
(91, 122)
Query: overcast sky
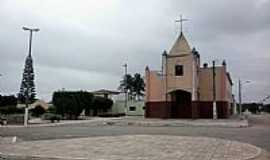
(82, 44)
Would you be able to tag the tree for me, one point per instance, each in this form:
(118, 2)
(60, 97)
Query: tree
(266, 108)
(38, 111)
(101, 103)
(252, 107)
(27, 89)
(8, 100)
(8, 105)
(138, 85)
(71, 103)
(134, 85)
(127, 85)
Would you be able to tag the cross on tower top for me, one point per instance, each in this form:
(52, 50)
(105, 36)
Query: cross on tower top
(181, 20)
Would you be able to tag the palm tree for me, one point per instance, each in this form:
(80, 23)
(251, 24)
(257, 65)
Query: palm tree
(127, 85)
(134, 85)
(138, 84)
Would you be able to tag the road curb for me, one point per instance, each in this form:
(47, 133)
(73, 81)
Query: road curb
(38, 157)
(146, 123)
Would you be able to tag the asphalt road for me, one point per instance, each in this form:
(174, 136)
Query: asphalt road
(258, 134)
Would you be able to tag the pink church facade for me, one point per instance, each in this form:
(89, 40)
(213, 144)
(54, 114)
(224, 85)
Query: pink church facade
(184, 89)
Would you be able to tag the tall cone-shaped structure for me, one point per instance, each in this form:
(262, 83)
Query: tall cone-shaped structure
(27, 85)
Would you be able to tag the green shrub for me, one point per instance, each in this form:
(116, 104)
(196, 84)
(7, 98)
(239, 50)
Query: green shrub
(8, 105)
(71, 103)
(52, 117)
(101, 104)
(37, 111)
(266, 108)
(11, 110)
(3, 120)
(51, 109)
(15, 118)
(8, 100)
(252, 107)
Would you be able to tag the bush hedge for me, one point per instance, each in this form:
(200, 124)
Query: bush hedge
(71, 103)
(10, 110)
(15, 118)
(51, 109)
(52, 117)
(266, 108)
(101, 104)
(8, 105)
(37, 111)
(8, 100)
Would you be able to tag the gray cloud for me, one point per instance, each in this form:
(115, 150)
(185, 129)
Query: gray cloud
(83, 44)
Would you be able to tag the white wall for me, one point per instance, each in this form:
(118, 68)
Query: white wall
(119, 107)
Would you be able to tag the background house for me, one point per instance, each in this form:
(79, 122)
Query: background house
(134, 107)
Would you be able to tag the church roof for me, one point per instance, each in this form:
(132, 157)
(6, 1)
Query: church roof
(181, 46)
(105, 91)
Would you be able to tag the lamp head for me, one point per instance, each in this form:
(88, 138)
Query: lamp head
(25, 28)
(36, 29)
(29, 29)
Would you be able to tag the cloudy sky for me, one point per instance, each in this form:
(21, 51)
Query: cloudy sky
(84, 43)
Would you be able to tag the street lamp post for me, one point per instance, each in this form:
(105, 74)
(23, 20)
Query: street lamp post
(31, 30)
(240, 84)
(125, 90)
(214, 91)
(1, 76)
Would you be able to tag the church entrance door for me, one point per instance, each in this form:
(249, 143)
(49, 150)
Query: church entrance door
(181, 104)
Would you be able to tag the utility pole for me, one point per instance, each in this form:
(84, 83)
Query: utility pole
(126, 95)
(240, 97)
(214, 92)
(31, 30)
(1, 76)
(240, 83)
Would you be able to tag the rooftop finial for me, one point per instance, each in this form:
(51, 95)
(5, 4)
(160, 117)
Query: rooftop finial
(147, 68)
(224, 63)
(181, 20)
(164, 53)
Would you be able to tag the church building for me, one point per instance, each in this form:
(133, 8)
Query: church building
(185, 89)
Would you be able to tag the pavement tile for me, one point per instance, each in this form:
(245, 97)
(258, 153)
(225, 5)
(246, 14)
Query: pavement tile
(135, 147)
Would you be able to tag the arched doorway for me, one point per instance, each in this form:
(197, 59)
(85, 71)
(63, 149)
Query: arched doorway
(181, 104)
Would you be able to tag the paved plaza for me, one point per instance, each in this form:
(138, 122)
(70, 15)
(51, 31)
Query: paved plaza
(82, 137)
(136, 147)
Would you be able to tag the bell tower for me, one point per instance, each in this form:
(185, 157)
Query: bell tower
(182, 68)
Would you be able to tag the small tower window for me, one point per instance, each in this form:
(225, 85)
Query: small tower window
(179, 70)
